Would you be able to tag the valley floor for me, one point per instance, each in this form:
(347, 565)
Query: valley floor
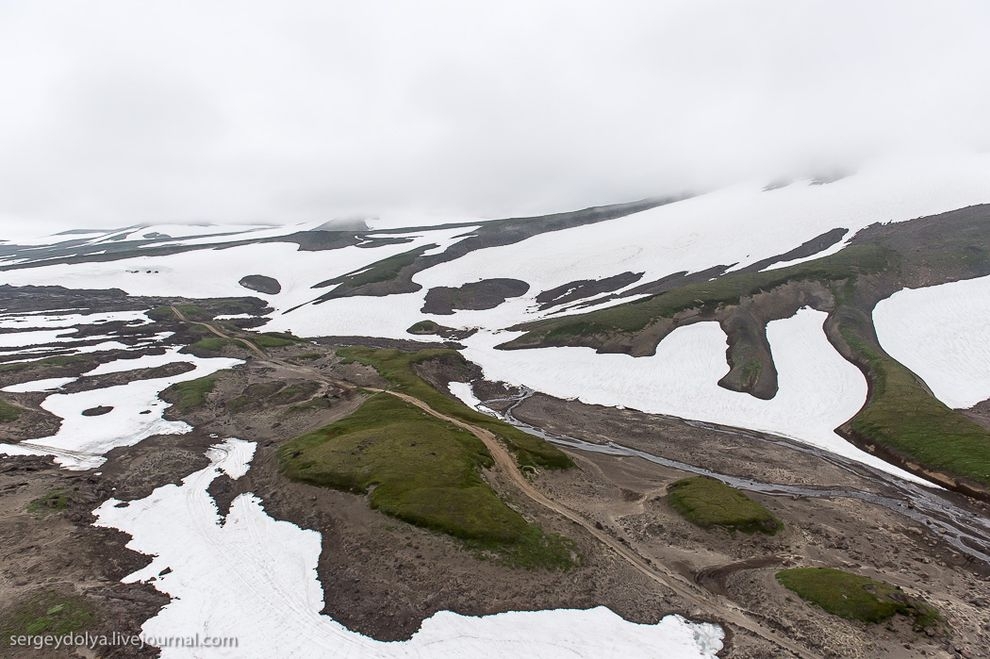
(382, 577)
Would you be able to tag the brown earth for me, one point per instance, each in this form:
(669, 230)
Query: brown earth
(381, 576)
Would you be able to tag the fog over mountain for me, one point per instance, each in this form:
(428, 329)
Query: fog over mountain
(118, 112)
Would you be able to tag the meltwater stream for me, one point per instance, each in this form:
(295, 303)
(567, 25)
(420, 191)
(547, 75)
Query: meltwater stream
(965, 530)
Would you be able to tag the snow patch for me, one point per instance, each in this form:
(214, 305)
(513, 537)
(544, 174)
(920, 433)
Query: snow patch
(81, 441)
(47, 384)
(464, 393)
(941, 333)
(255, 578)
(818, 389)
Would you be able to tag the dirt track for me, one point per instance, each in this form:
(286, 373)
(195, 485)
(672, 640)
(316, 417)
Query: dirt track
(506, 464)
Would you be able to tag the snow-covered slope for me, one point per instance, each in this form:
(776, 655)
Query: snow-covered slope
(734, 227)
(942, 333)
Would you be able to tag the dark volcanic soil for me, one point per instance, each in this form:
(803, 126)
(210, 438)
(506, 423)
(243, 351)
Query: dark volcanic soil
(382, 577)
(484, 294)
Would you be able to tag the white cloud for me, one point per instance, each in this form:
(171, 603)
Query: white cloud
(118, 112)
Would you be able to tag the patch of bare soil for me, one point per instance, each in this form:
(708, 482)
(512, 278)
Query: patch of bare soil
(484, 294)
(627, 496)
(980, 413)
(382, 577)
(31, 422)
(58, 549)
(123, 377)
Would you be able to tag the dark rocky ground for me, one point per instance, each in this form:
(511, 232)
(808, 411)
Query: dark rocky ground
(382, 576)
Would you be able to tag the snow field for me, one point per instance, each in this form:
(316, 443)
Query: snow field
(942, 333)
(81, 441)
(255, 578)
(818, 389)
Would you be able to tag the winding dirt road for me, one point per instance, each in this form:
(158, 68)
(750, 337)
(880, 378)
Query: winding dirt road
(727, 610)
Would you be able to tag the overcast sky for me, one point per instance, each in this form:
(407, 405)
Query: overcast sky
(114, 113)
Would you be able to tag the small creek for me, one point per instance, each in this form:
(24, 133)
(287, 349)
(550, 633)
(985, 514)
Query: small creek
(965, 530)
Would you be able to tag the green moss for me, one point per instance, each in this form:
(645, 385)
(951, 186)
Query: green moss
(274, 339)
(190, 394)
(8, 412)
(190, 311)
(708, 502)
(855, 597)
(209, 344)
(52, 502)
(424, 327)
(902, 415)
(46, 612)
(396, 366)
(727, 289)
(47, 362)
(382, 271)
(420, 469)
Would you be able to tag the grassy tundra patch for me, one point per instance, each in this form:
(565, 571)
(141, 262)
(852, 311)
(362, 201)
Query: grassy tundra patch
(190, 394)
(396, 366)
(855, 597)
(8, 412)
(190, 311)
(49, 362)
(52, 502)
(635, 316)
(209, 345)
(422, 470)
(380, 272)
(425, 327)
(274, 339)
(46, 612)
(708, 502)
(901, 414)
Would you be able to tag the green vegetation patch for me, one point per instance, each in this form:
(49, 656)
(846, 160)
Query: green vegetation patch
(855, 597)
(727, 289)
(274, 339)
(424, 327)
(190, 311)
(48, 362)
(381, 271)
(422, 470)
(52, 502)
(708, 502)
(191, 394)
(47, 612)
(901, 414)
(209, 344)
(396, 366)
(8, 412)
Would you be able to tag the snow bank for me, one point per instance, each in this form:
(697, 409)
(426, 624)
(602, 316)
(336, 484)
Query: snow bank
(942, 333)
(216, 272)
(736, 225)
(37, 337)
(144, 361)
(81, 441)
(819, 390)
(255, 578)
(47, 384)
(47, 320)
(464, 393)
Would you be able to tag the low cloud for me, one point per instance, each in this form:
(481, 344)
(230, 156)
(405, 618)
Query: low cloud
(118, 112)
